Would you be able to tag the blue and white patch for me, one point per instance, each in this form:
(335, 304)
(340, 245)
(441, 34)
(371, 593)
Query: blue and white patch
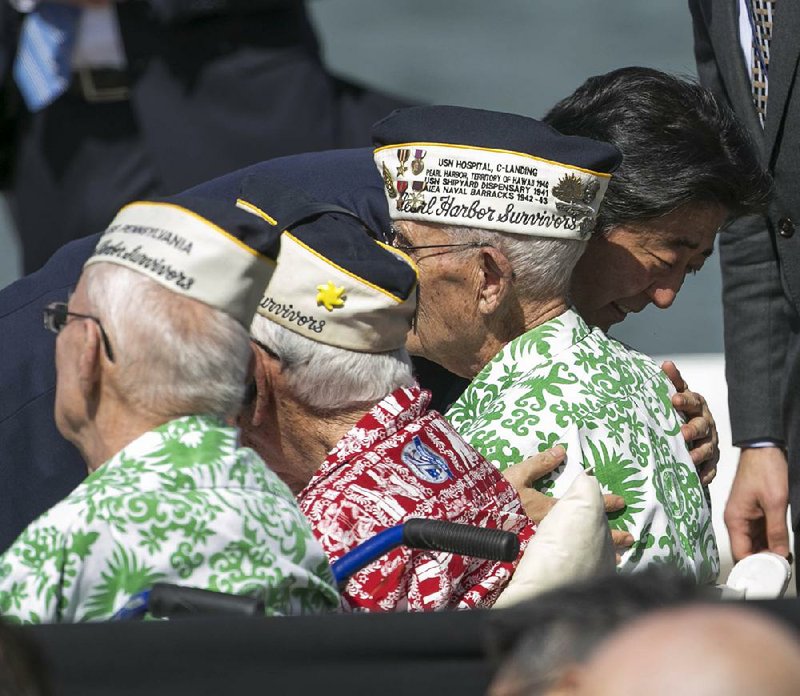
(424, 462)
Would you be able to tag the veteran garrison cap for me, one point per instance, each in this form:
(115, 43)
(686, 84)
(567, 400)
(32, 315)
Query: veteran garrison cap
(206, 249)
(473, 168)
(334, 284)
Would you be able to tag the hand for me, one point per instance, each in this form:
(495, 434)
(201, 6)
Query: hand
(700, 430)
(522, 475)
(755, 514)
(622, 542)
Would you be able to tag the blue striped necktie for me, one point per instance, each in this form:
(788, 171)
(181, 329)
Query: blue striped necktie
(42, 66)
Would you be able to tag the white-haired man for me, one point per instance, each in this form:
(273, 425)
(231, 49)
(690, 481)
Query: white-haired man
(496, 209)
(337, 414)
(152, 359)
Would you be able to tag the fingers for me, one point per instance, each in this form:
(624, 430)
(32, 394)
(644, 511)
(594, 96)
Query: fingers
(706, 470)
(700, 434)
(535, 504)
(777, 531)
(524, 473)
(621, 538)
(698, 428)
(613, 503)
(670, 370)
(622, 542)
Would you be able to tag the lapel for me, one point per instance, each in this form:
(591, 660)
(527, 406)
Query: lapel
(784, 53)
(722, 20)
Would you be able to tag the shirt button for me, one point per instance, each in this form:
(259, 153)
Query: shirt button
(785, 227)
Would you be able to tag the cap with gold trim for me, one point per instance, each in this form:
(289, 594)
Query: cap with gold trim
(473, 168)
(209, 250)
(334, 284)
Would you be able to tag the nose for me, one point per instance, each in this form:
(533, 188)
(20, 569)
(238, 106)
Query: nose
(662, 297)
(663, 292)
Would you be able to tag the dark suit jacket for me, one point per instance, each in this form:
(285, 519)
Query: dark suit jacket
(37, 466)
(760, 266)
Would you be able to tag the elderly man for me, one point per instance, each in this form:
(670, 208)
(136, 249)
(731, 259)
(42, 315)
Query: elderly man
(339, 417)
(152, 358)
(496, 230)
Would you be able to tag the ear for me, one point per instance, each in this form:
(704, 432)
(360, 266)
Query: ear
(262, 376)
(90, 358)
(496, 279)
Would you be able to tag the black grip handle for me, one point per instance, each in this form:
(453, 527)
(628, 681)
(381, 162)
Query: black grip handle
(463, 539)
(174, 601)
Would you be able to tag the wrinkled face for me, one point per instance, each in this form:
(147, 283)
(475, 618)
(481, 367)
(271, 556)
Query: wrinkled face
(449, 326)
(642, 263)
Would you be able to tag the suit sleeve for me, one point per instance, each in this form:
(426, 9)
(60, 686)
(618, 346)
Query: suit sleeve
(754, 305)
(756, 330)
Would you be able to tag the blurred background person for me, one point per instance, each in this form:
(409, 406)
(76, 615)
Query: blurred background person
(542, 644)
(696, 651)
(104, 102)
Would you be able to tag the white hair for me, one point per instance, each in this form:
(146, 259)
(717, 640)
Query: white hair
(542, 265)
(326, 378)
(174, 355)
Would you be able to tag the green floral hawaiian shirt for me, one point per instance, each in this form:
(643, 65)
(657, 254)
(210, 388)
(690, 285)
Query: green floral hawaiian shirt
(564, 383)
(181, 504)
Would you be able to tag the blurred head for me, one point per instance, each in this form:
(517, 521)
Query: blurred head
(701, 651)
(172, 355)
(687, 168)
(544, 642)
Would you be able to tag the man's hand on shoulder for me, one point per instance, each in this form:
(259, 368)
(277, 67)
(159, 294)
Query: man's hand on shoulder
(755, 514)
(700, 430)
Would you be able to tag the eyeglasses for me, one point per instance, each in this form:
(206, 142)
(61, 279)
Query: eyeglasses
(396, 235)
(56, 315)
(466, 245)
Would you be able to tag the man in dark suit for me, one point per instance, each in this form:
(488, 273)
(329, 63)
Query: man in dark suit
(203, 88)
(747, 52)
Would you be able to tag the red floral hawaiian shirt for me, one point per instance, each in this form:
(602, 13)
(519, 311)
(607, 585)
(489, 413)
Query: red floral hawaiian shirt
(401, 461)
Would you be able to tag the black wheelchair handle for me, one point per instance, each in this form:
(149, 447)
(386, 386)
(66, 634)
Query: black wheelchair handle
(464, 539)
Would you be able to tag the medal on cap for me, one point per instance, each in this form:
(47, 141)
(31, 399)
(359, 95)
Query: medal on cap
(402, 157)
(417, 165)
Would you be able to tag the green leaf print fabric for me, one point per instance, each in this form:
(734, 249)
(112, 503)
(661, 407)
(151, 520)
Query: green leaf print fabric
(183, 504)
(563, 382)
